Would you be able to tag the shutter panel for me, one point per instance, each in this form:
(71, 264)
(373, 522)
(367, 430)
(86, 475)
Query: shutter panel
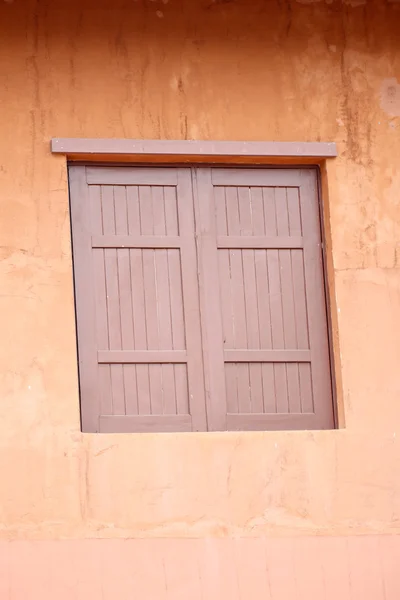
(139, 338)
(264, 314)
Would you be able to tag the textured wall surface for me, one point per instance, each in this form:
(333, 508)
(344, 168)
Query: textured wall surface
(198, 69)
(318, 568)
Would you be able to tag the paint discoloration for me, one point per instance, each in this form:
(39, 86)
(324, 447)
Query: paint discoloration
(390, 97)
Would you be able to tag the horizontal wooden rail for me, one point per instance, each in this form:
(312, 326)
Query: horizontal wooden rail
(273, 356)
(263, 422)
(259, 242)
(145, 356)
(135, 241)
(145, 423)
(140, 176)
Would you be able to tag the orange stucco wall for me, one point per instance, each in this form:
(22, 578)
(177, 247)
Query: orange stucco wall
(198, 69)
(317, 568)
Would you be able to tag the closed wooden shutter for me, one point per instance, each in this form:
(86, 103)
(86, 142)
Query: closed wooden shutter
(200, 299)
(262, 273)
(137, 301)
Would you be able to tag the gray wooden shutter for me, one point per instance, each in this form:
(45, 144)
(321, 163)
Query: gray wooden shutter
(264, 314)
(139, 338)
(253, 258)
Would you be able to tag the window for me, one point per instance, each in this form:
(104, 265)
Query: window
(200, 299)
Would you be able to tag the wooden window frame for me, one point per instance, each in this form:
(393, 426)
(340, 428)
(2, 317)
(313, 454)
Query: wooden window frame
(193, 152)
(219, 153)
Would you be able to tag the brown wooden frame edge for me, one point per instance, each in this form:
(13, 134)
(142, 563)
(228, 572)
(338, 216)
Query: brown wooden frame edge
(190, 151)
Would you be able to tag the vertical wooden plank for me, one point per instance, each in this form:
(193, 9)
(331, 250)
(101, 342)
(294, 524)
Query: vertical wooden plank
(169, 390)
(125, 298)
(85, 305)
(274, 284)
(232, 211)
(253, 329)
(143, 389)
(138, 299)
(210, 299)
(158, 209)
(289, 328)
(250, 300)
(231, 385)
(118, 390)
(238, 299)
(299, 292)
(163, 286)
(140, 333)
(269, 211)
(113, 299)
(171, 211)
(256, 388)
(163, 308)
(135, 266)
(234, 258)
(150, 298)
(181, 389)
(240, 328)
(95, 208)
(306, 391)
(111, 271)
(105, 390)
(104, 371)
(176, 300)
(226, 298)
(133, 213)
(228, 328)
(293, 384)
(282, 215)
(156, 389)
(264, 318)
(174, 271)
(257, 211)
(293, 203)
(245, 218)
(316, 307)
(281, 388)
(124, 273)
(268, 387)
(243, 387)
(273, 374)
(121, 210)
(152, 327)
(220, 211)
(288, 311)
(300, 308)
(130, 385)
(99, 269)
(146, 210)
(190, 290)
(289, 324)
